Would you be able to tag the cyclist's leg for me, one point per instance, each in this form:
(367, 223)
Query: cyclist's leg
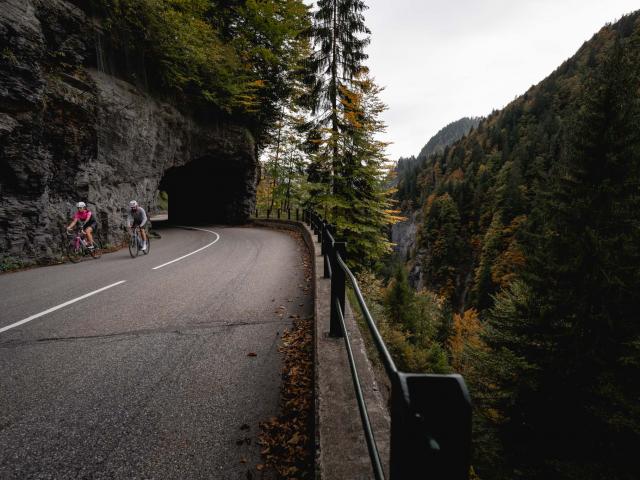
(145, 241)
(89, 232)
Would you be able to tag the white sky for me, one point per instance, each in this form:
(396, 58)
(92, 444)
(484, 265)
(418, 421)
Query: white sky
(447, 59)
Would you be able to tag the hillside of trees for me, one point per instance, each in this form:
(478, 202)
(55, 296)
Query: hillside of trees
(447, 135)
(407, 168)
(530, 245)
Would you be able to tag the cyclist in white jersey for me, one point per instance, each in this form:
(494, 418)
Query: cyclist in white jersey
(137, 217)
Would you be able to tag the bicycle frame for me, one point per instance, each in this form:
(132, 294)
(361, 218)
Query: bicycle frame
(78, 238)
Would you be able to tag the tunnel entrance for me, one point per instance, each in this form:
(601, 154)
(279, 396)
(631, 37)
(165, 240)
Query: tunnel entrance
(207, 190)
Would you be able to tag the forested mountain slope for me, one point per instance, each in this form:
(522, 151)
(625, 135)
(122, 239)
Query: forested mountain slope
(447, 135)
(533, 221)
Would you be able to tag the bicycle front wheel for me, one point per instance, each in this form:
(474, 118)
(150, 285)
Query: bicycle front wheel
(74, 251)
(133, 245)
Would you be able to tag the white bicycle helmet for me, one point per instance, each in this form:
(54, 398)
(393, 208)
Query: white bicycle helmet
(133, 204)
(81, 205)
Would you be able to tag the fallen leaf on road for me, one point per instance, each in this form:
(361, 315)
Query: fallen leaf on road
(252, 354)
(244, 426)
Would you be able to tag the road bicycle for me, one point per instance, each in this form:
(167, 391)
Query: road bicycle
(135, 242)
(77, 246)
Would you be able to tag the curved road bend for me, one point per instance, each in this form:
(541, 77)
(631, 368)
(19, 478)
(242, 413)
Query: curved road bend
(151, 377)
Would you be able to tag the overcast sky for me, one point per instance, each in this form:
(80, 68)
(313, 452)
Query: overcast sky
(443, 60)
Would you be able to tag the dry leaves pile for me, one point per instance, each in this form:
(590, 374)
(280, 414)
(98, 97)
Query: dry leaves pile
(287, 440)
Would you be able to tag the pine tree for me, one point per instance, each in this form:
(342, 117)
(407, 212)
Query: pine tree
(348, 163)
(400, 297)
(340, 37)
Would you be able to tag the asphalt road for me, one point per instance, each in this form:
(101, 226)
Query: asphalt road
(150, 378)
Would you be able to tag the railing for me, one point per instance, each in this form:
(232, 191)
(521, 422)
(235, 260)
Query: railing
(279, 213)
(430, 414)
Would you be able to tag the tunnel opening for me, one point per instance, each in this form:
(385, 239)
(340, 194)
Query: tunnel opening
(205, 191)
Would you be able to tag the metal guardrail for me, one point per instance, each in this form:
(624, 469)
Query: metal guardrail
(279, 213)
(430, 414)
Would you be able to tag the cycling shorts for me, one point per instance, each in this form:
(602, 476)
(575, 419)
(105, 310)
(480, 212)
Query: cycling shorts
(90, 223)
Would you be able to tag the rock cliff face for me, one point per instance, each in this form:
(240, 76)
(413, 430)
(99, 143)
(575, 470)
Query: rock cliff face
(70, 132)
(404, 235)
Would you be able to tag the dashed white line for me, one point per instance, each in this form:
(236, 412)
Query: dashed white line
(195, 251)
(58, 307)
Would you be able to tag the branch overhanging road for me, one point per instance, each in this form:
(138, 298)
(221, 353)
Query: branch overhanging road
(119, 370)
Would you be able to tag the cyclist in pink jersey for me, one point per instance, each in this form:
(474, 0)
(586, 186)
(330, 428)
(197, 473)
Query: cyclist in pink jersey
(87, 221)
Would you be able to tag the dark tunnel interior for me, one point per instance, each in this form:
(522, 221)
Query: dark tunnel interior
(206, 191)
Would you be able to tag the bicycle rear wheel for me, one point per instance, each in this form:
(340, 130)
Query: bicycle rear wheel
(134, 245)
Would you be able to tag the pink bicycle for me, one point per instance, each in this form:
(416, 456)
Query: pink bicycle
(77, 246)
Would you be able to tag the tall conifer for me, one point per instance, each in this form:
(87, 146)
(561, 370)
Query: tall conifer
(340, 37)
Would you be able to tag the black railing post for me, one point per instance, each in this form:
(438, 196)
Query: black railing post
(327, 247)
(278, 214)
(320, 226)
(268, 213)
(297, 215)
(430, 426)
(323, 245)
(288, 214)
(256, 212)
(337, 288)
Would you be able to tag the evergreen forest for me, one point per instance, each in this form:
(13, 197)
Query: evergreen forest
(529, 242)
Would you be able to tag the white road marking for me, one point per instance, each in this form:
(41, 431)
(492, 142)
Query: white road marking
(58, 307)
(195, 251)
